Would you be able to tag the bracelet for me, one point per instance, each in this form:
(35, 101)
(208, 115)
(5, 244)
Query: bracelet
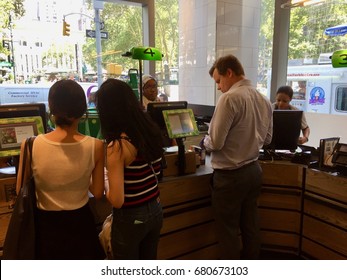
(306, 138)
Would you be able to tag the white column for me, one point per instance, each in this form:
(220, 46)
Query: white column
(209, 29)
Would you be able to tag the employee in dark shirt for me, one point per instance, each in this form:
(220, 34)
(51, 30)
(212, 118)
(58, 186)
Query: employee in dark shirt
(284, 95)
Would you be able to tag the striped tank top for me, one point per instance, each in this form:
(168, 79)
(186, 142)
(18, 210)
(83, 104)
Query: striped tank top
(140, 182)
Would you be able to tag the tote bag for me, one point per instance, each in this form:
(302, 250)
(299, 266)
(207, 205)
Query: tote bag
(105, 236)
(20, 238)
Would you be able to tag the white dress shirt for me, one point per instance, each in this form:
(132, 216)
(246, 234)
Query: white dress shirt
(240, 126)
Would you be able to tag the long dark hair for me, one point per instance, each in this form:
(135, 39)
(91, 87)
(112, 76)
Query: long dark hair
(120, 112)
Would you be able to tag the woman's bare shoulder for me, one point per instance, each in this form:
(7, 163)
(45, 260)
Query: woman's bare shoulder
(122, 149)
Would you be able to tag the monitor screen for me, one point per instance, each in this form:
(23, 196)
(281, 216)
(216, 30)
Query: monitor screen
(14, 130)
(180, 123)
(202, 113)
(286, 129)
(326, 151)
(17, 122)
(25, 110)
(155, 110)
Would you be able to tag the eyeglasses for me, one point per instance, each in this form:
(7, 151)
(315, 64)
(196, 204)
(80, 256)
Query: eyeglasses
(151, 87)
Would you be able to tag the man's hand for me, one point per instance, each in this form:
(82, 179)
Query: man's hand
(201, 144)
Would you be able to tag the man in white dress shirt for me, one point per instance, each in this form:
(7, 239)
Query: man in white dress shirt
(240, 126)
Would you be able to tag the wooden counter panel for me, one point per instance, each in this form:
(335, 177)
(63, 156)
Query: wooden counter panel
(5, 208)
(208, 253)
(282, 173)
(314, 250)
(279, 240)
(275, 197)
(327, 235)
(327, 185)
(180, 243)
(279, 220)
(183, 190)
(328, 211)
(4, 221)
(186, 219)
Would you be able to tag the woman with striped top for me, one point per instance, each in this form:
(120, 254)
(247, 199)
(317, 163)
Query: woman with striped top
(134, 154)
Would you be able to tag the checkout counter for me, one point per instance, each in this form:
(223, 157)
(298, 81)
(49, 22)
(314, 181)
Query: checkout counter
(303, 211)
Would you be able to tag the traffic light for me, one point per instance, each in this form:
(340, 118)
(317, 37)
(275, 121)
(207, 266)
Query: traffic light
(66, 28)
(6, 44)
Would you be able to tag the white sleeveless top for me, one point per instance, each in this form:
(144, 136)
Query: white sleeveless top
(62, 172)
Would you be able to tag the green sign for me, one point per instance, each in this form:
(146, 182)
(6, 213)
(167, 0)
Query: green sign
(339, 58)
(146, 53)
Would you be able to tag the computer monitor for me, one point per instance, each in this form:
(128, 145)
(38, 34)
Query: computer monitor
(17, 122)
(180, 123)
(202, 113)
(155, 110)
(326, 151)
(286, 130)
(25, 110)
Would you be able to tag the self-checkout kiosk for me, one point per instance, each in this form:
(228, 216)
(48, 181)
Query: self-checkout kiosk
(17, 122)
(180, 124)
(176, 122)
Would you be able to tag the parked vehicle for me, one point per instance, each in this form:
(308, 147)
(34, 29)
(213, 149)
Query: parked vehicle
(33, 93)
(318, 88)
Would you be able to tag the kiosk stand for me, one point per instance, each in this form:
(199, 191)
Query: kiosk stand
(180, 124)
(181, 156)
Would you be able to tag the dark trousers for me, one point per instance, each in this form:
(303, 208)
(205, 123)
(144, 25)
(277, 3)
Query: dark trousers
(234, 201)
(135, 232)
(67, 235)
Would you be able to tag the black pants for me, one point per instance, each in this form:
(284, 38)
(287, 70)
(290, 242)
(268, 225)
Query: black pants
(67, 235)
(234, 201)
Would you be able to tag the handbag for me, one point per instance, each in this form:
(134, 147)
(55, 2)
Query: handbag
(20, 237)
(105, 236)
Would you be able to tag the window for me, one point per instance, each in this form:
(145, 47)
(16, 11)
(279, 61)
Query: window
(309, 57)
(341, 99)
